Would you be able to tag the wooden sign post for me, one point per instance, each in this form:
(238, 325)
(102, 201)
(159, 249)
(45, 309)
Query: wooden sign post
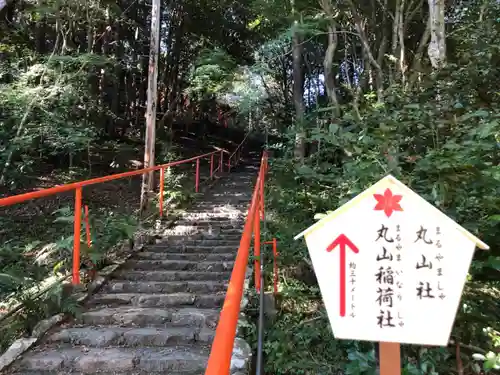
(386, 261)
(390, 358)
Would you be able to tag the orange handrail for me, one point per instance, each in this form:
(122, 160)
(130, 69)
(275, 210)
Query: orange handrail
(78, 187)
(238, 151)
(219, 361)
(8, 201)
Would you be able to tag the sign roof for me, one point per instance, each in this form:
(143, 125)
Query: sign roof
(388, 180)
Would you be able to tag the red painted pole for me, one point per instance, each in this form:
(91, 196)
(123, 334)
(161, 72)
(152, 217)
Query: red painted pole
(76, 236)
(162, 183)
(257, 247)
(197, 175)
(276, 275)
(211, 165)
(275, 262)
(262, 197)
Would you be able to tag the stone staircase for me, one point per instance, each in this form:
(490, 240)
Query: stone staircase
(158, 313)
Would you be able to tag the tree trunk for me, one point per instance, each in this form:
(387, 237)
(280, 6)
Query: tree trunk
(116, 90)
(298, 90)
(395, 39)
(437, 46)
(149, 150)
(327, 7)
(416, 67)
(379, 79)
(401, 32)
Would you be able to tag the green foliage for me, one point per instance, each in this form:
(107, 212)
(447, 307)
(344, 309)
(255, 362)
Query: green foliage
(490, 360)
(441, 138)
(36, 307)
(212, 72)
(44, 115)
(23, 268)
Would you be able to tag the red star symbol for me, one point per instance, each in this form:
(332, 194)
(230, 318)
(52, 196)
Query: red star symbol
(388, 202)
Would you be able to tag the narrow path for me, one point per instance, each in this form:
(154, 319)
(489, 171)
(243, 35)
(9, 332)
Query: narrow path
(158, 313)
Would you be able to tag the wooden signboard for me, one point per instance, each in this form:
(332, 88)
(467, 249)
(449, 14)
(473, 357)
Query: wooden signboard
(391, 268)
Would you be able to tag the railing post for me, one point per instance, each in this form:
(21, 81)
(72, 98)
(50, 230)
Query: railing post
(162, 186)
(211, 166)
(261, 195)
(221, 164)
(76, 236)
(275, 263)
(197, 175)
(257, 245)
(275, 266)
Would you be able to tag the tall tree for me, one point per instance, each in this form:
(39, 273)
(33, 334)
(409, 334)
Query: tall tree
(437, 45)
(298, 84)
(150, 137)
(328, 8)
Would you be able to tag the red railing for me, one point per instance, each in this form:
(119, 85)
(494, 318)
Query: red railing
(78, 186)
(236, 153)
(220, 356)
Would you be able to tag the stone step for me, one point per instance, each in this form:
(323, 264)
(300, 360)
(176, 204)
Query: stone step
(202, 237)
(226, 225)
(201, 240)
(215, 217)
(172, 275)
(209, 232)
(221, 192)
(222, 225)
(165, 287)
(224, 199)
(128, 316)
(217, 257)
(218, 210)
(234, 218)
(193, 247)
(215, 206)
(241, 185)
(158, 300)
(226, 196)
(213, 233)
(210, 216)
(99, 337)
(179, 265)
(178, 360)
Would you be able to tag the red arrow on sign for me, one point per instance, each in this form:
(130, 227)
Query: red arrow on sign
(343, 242)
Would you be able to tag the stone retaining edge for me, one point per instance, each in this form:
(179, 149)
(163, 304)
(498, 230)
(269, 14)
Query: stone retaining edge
(241, 359)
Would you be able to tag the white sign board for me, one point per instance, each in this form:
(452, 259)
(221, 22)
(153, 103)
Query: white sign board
(390, 266)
